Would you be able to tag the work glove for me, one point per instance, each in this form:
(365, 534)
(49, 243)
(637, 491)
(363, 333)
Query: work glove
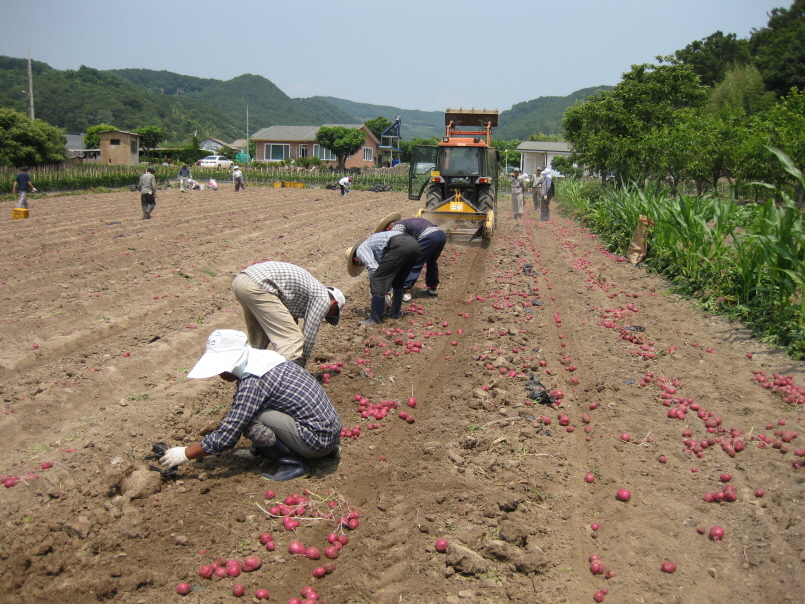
(173, 457)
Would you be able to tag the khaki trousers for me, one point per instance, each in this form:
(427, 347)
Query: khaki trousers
(268, 322)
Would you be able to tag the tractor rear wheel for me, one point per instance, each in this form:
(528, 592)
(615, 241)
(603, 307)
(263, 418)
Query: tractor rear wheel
(433, 198)
(486, 199)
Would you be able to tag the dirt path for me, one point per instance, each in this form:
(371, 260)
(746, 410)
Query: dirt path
(103, 315)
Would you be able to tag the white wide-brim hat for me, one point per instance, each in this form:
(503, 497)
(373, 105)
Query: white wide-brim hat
(225, 347)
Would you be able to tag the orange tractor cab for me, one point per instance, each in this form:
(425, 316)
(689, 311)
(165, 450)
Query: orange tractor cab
(459, 176)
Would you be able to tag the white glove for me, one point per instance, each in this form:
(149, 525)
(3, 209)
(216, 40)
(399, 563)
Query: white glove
(173, 457)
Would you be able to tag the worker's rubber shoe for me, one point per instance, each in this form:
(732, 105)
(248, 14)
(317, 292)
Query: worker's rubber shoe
(407, 297)
(378, 306)
(334, 454)
(432, 291)
(396, 304)
(290, 468)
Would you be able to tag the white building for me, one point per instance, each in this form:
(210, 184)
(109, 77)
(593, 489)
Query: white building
(539, 154)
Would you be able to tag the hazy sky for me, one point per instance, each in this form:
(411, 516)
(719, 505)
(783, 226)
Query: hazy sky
(413, 54)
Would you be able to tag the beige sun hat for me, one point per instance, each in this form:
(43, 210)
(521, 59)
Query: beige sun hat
(352, 269)
(393, 217)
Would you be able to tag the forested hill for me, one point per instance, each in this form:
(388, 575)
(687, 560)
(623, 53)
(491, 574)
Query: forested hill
(268, 105)
(415, 124)
(543, 114)
(76, 99)
(183, 105)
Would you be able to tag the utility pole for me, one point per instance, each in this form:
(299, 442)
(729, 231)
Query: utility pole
(30, 89)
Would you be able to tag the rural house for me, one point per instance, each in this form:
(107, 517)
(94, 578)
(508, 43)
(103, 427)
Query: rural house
(538, 154)
(120, 148)
(277, 143)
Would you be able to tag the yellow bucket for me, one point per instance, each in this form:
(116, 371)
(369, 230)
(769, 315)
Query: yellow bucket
(18, 213)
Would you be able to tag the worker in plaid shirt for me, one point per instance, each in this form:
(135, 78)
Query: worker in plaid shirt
(278, 405)
(274, 295)
(389, 257)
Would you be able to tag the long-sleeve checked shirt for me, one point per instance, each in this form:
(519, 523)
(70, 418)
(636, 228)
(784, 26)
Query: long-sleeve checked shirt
(286, 388)
(299, 291)
(418, 228)
(371, 251)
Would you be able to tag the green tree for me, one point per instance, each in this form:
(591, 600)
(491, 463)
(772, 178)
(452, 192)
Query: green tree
(546, 138)
(25, 142)
(743, 90)
(92, 138)
(150, 137)
(377, 125)
(614, 130)
(566, 166)
(407, 147)
(779, 49)
(713, 56)
(781, 128)
(341, 141)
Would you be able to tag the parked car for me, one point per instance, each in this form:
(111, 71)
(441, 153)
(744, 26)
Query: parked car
(215, 161)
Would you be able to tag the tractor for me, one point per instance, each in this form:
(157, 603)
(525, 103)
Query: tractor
(459, 176)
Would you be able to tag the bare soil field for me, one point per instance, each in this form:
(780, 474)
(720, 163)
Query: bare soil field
(103, 314)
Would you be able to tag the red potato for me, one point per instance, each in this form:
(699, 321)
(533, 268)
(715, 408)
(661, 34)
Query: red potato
(441, 545)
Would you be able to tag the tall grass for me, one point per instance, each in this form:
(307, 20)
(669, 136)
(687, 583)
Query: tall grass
(745, 260)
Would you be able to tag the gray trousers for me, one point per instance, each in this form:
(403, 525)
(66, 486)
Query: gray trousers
(271, 425)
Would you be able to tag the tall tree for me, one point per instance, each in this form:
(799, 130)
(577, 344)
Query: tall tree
(150, 137)
(743, 90)
(779, 49)
(611, 130)
(712, 56)
(25, 142)
(341, 141)
(378, 125)
(92, 137)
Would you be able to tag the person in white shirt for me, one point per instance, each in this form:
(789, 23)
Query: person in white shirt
(344, 183)
(237, 178)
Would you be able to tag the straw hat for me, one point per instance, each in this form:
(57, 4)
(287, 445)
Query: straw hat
(393, 217)
(352, 269)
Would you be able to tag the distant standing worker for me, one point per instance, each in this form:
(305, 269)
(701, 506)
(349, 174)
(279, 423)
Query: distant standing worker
(345, 183)
(184, 176)
(389, 257)
(237, 178)
(432, 240)
(518, 190)
(547, 190)
(148, 192)
(25, 186)
(274, 295)
(536, 188)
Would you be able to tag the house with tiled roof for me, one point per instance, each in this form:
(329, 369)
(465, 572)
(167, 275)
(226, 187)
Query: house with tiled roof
(278, 143)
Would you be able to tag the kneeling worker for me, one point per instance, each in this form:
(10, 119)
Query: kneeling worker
(273, 296)
(278, 405)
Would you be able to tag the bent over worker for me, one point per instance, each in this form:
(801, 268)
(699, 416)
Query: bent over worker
(278, 405)
(274, 295)
(389, 257)
(432, 240)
